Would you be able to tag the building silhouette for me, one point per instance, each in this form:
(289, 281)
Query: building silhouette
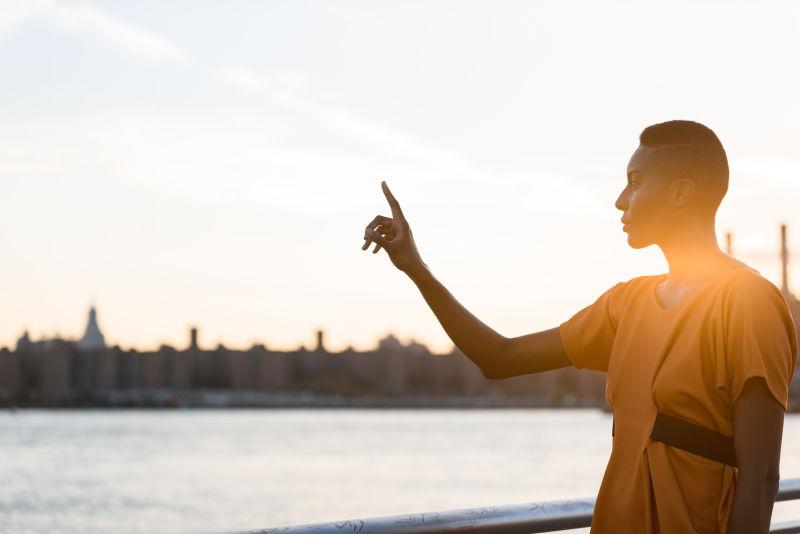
(92, 338)
(87, 372)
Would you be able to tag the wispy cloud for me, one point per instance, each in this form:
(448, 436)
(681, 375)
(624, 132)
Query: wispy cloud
(286, 90)
(88, 19)
(138, 41)
(437, 169)
(14, 12)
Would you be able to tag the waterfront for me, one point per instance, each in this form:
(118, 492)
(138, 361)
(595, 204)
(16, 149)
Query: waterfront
(170, 471)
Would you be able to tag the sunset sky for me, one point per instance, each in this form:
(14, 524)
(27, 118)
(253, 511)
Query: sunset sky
(198, 162)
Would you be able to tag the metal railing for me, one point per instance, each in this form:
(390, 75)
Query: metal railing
(526, 518)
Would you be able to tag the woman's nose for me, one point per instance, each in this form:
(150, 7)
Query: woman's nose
(621, 203)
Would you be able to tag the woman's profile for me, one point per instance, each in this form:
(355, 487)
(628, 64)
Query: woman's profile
(698, 359)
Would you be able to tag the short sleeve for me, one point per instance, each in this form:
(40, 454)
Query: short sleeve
(759, 339)
(588, 335)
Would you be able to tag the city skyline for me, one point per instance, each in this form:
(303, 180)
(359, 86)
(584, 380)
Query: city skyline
(93, 338)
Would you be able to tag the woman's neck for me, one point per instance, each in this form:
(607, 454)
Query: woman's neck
(693, 256)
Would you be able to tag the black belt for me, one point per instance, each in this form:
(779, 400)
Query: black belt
(692, 438)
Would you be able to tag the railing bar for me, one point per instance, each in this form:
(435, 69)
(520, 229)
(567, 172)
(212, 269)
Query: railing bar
(788, 490)
(523, 518)
(786, 527)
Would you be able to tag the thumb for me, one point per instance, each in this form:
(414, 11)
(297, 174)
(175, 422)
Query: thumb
(378, 238)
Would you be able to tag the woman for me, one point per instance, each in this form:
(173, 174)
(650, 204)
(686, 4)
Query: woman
(699, 359)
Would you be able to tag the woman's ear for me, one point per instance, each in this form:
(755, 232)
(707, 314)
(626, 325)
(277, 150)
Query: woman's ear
(681, 191)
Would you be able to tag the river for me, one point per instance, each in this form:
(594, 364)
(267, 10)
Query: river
(217, 471)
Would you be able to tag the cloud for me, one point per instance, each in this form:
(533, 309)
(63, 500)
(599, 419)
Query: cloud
(138, 41)
(87, 19)
(13, 13)
(436, 171)
(285, 90)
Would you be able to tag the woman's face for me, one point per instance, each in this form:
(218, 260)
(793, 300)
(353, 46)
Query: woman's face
(645, 201)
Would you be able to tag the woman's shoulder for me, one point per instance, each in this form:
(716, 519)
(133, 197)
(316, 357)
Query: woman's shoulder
(747, 295)
(747, 281)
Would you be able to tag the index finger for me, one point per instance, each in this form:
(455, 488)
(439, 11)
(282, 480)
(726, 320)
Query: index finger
(397, 213)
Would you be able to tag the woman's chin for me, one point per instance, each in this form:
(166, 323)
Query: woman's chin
(633, 242)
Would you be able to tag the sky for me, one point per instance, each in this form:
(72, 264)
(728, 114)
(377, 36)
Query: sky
(188, 163)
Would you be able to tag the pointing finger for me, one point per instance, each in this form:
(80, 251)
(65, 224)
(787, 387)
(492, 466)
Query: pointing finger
(397, 213)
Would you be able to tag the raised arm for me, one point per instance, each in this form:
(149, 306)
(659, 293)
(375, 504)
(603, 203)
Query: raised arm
(495, 355)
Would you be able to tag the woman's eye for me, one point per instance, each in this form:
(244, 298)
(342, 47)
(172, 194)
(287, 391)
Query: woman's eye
(634, 185)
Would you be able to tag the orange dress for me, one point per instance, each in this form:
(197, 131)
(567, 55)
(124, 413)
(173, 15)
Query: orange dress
(691, 362)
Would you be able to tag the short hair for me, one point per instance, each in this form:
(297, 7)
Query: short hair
(693, 151)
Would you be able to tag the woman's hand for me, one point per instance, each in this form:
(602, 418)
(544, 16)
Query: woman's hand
(394, 235)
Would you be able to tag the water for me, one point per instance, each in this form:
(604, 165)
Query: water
(227, 470)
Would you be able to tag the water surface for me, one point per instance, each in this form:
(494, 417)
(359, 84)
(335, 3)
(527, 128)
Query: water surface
(162, 471)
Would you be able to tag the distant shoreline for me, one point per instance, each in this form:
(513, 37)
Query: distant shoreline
(223, 400)
(167, 399)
